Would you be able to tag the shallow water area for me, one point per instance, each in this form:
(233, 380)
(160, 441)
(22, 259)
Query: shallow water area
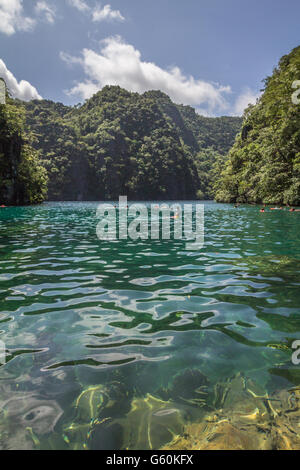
(122, 344)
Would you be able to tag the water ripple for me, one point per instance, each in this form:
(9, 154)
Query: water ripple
(74, 309)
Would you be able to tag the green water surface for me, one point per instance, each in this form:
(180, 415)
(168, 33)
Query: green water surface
(76, 313)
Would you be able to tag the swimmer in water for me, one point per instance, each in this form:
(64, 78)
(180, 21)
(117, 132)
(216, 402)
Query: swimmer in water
(176, 216)
(262, 210)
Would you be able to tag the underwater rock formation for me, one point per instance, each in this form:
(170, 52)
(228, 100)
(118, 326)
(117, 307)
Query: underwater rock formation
(236, 415)
(25, 418)
(150, 423)
(94, 425)
(189, 386)
(249, 419)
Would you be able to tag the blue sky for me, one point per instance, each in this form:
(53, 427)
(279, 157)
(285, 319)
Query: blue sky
(211, 54)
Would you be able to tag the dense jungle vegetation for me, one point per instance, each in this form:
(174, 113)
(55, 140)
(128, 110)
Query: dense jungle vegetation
(264, 163)
(23, 179)
(146, 147)
(118, 142)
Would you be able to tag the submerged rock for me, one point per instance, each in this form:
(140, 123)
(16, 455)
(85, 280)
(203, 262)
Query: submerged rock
(271, 265)
(190, 387)
(107, 418)
(24, 419)
(150, 423)
(95, 410)
(248, 420)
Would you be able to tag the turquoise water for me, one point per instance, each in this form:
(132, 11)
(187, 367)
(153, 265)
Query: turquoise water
(78, 314)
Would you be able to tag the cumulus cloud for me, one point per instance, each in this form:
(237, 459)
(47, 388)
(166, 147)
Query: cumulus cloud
(119, 63)
(22, 90)
(12, 17)
(247, 97)
(43, 9)
(107, 14)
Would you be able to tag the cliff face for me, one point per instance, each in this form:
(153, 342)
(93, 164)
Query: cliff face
(264, 163)
(22, 179)
(10, 154)
(119, 142)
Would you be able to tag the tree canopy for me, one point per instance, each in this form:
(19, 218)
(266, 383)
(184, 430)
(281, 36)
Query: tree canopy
(23, 180)
(118, 142)
(264, 163)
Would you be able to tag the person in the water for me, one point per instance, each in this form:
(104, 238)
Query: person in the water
(262, 210)
(176, 216)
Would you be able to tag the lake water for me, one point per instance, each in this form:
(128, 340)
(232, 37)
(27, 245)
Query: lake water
(106, 339)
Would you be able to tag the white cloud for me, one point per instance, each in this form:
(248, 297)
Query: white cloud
(79, 4)
(22, 90)
(44, 9)
(120, 64)
(247, 97)
(107, 14)
(98, 12)
(12, 17)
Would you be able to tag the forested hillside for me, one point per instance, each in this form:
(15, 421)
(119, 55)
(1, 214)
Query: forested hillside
(264, 163)
(118, 142)
(23, 180)
(146, 147)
